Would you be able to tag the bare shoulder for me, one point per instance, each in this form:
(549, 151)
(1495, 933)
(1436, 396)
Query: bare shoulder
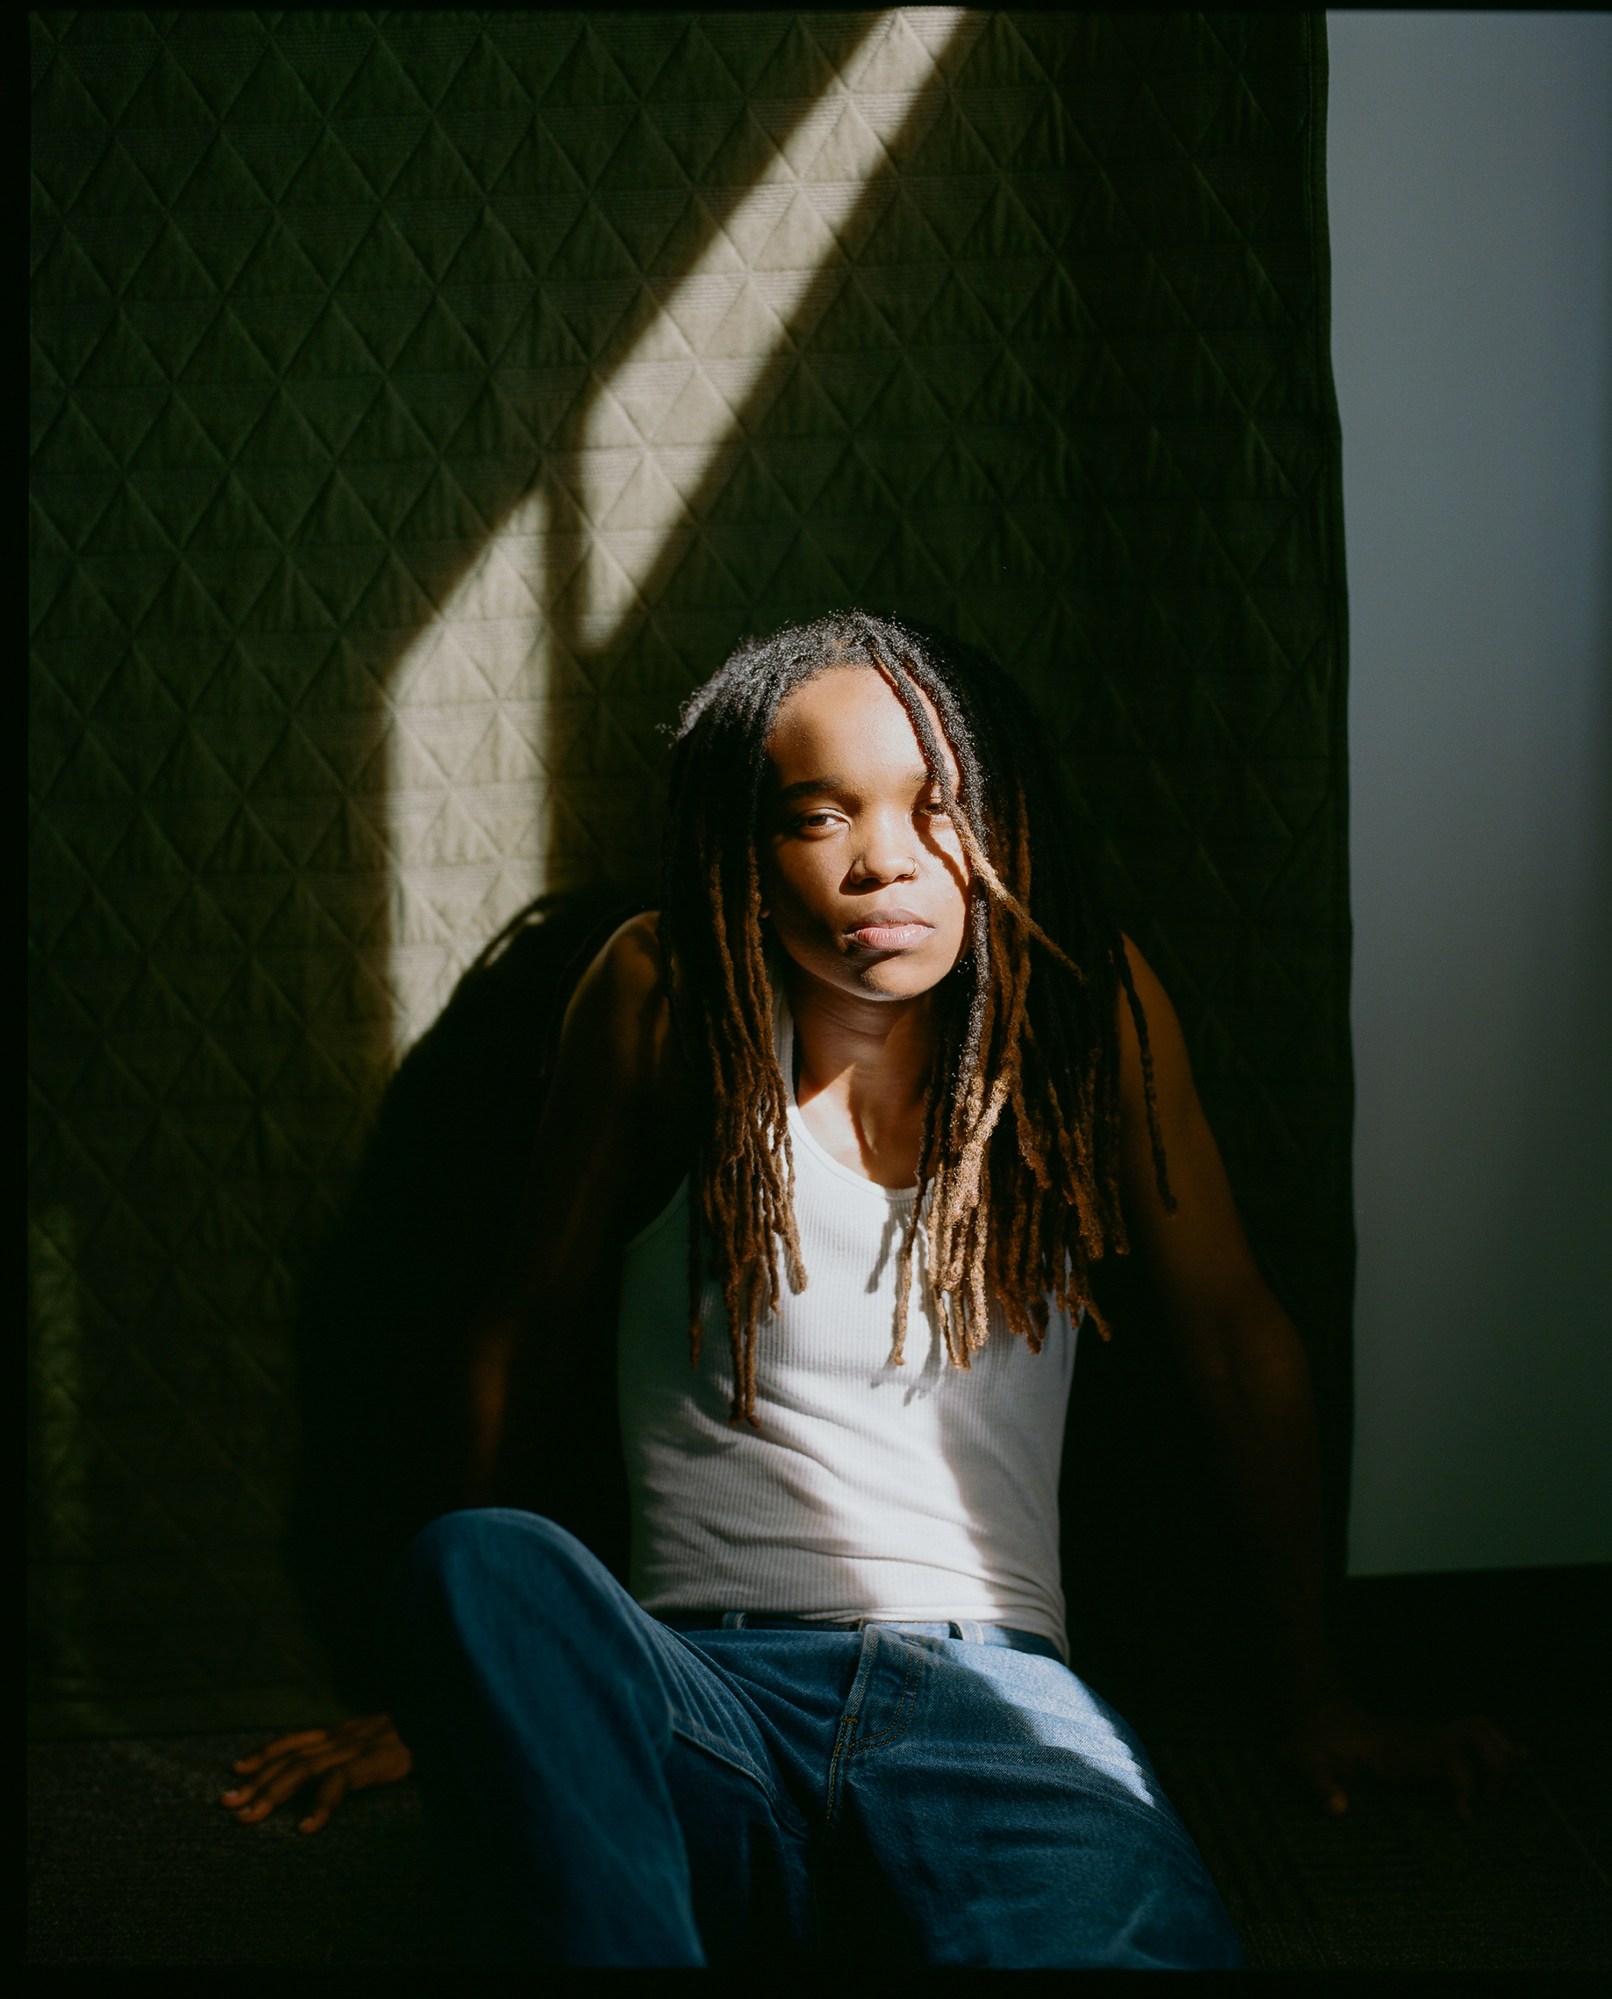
(629, 966)
(597, 1161)
(1195, 1241)
(618, 1024)
(1167, 1048)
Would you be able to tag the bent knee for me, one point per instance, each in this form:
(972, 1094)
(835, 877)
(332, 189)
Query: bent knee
(478, 1543)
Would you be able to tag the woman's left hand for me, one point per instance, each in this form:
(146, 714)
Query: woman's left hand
(1337, 1741)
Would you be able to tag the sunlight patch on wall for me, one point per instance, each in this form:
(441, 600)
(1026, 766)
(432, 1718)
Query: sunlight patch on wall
(464, 772)
(678, 402)
(468, 793)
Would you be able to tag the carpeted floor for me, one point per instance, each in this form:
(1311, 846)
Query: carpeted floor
(1400, 1883)
(133, 1862)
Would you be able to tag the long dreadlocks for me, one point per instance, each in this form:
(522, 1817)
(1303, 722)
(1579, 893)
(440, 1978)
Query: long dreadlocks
(1018, 1174)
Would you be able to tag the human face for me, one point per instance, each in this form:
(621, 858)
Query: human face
(863, 874)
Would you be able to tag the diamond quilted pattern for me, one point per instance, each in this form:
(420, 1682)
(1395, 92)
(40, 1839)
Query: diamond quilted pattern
(421, 404)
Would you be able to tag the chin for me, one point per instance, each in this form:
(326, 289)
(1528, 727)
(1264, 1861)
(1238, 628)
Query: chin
(904, 977)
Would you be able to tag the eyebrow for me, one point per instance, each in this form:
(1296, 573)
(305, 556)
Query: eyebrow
(804, 787)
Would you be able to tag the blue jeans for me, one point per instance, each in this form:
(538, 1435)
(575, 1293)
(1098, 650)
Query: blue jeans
(605, 1789)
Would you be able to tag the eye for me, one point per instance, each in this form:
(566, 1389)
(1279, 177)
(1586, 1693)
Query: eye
(809, 822)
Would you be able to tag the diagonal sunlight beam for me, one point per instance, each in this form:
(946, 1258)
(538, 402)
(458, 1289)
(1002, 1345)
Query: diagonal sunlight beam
(467, 792)
(672, 407)
(463, 772)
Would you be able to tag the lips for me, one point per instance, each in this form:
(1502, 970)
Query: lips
(893, 929)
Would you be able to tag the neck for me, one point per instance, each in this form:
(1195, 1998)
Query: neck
(874, 1056)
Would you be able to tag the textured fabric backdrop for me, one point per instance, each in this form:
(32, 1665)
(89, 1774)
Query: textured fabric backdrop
(422, 403)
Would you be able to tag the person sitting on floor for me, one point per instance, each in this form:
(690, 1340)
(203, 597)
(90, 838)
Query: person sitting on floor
(850, 1121)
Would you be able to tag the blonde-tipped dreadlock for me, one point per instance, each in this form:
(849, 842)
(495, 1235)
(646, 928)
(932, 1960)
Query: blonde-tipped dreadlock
(1017, 1193)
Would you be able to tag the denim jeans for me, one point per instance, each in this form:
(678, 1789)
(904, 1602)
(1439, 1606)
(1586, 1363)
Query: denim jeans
(605, 1789)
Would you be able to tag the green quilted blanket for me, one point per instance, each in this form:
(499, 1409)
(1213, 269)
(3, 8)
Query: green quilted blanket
(422, 403)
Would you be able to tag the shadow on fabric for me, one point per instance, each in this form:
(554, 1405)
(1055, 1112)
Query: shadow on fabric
(386, 1310)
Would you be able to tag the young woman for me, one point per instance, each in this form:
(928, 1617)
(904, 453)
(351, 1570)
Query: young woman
(852, 1117)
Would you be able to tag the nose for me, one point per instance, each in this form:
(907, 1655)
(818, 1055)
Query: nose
(887, 852)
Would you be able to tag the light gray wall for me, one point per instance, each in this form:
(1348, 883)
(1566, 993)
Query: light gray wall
(1470, 170)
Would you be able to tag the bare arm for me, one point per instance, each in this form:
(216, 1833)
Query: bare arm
(600, 1152)
(1238, 1349)
(1245, 1364)
(598, 1149)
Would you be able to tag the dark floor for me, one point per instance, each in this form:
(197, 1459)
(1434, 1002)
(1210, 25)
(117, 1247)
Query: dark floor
(133, 1862)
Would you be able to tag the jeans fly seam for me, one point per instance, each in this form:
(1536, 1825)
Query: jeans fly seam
(906, 1700)
(850, 1741)
(844, 1743)
(850, 1721)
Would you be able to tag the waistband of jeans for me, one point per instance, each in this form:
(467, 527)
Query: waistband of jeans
(964, 1628)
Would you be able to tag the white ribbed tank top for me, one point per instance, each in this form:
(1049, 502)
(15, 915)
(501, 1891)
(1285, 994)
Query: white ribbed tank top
(921, 1492)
